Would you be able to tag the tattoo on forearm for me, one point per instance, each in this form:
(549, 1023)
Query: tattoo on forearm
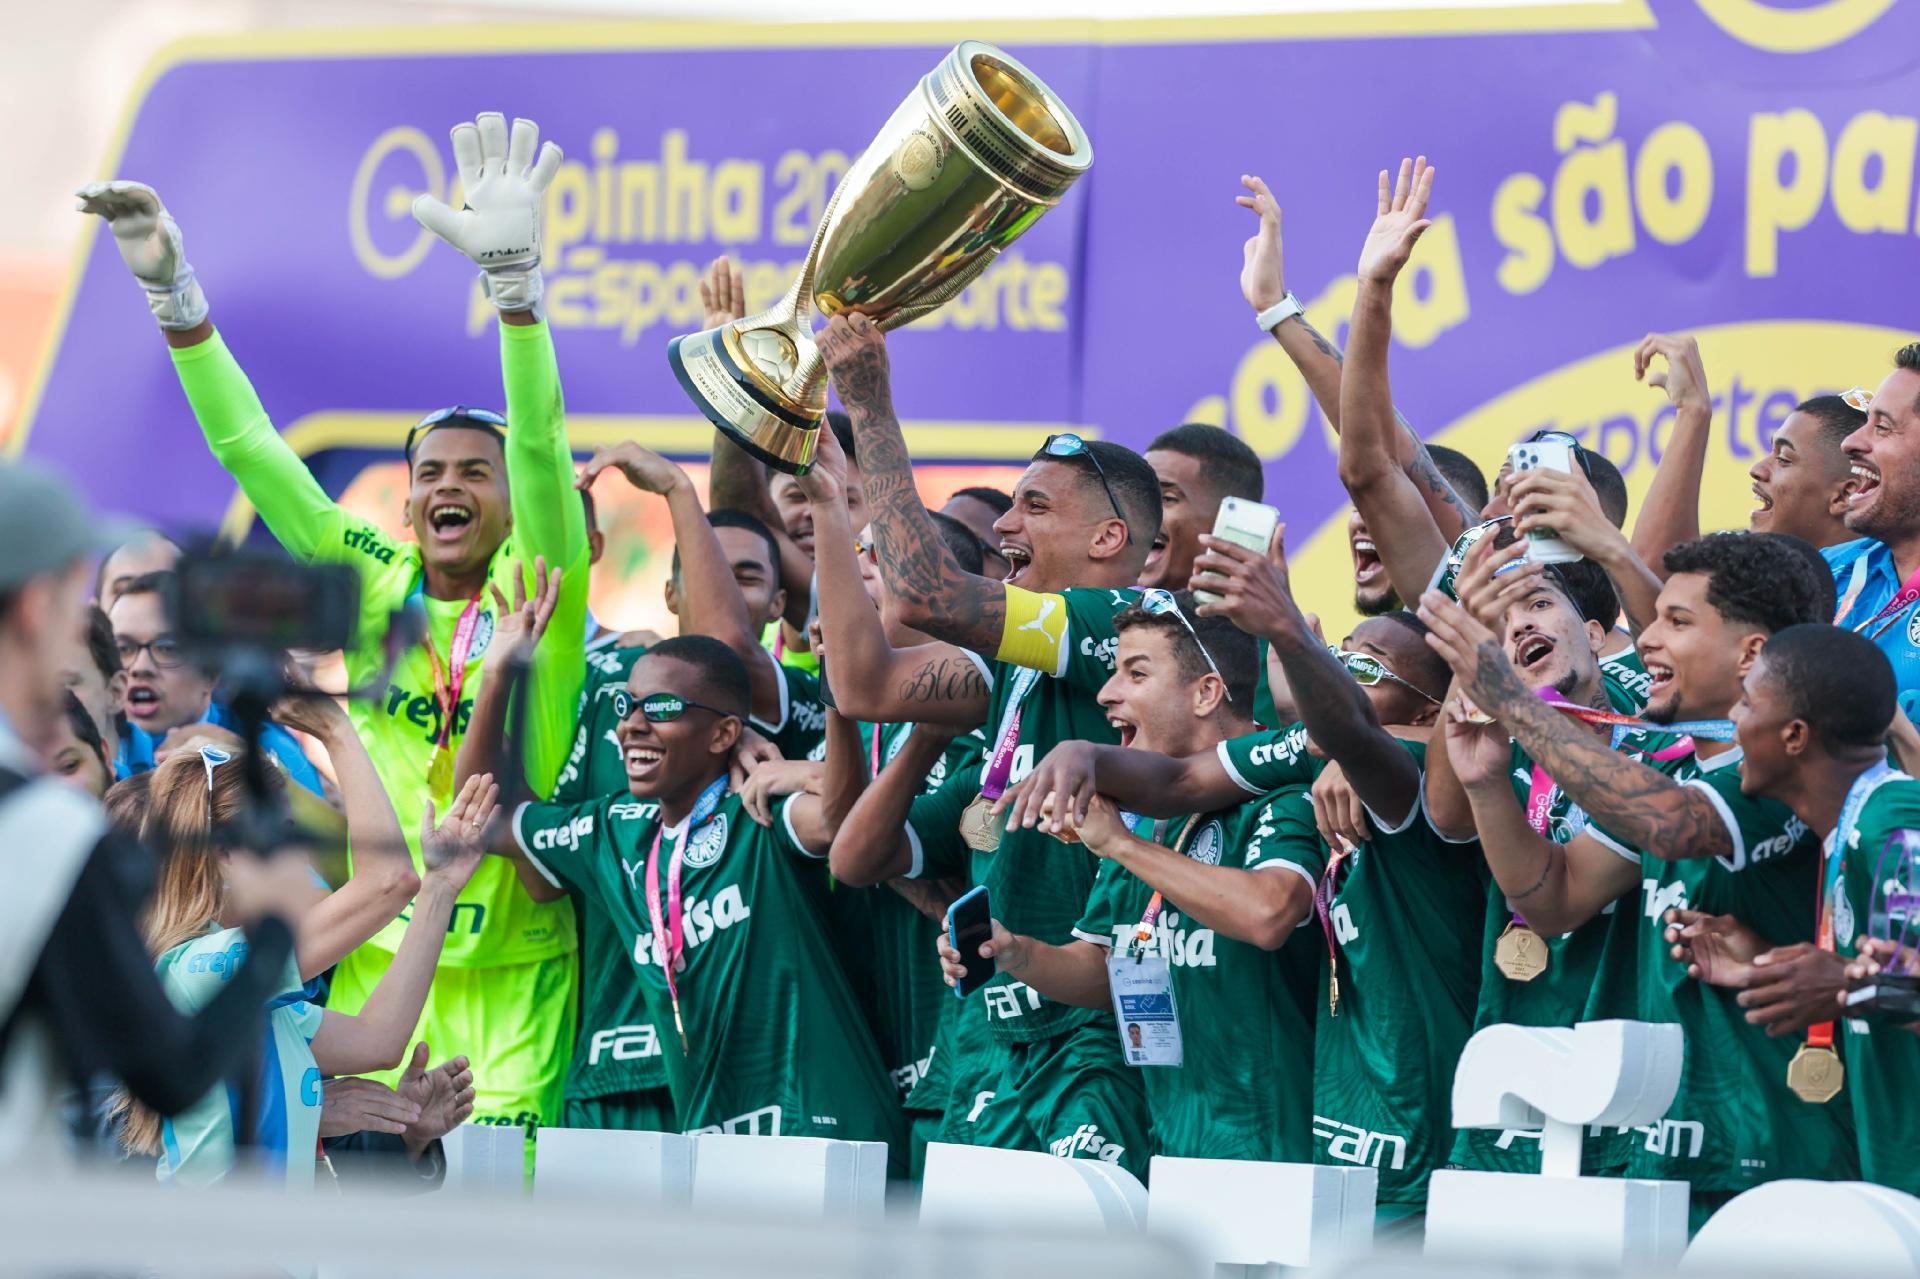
(944, 679)
(1428, 475)
(1325, 347)
(1546, 872)
(1646, 808)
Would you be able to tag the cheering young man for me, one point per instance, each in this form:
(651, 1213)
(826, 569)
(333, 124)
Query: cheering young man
(1666, 814)
(1083, 519)
(483, 497)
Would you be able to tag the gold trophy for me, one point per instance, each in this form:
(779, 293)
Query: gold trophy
(971, 159)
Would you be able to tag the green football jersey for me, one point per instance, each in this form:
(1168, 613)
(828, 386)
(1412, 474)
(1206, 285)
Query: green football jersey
(1628, 684)
(1733, 1124)
(1882, 1056)
(887, 945)
(617, 1049)
(1037, 884)
(1270, 760)
(776, 1041)
(495, 923)
(1246, 1014)
(802, 723)
(1406, 912)
(1589, 977)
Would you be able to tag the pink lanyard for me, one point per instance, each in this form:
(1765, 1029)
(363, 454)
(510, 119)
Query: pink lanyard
(1001, 766)
(447, 685)
(1323, 893)
(672, 925)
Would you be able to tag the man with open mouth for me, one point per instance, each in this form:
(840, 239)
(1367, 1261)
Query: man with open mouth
(1667, 817)
(1877, 575)
(483, 503)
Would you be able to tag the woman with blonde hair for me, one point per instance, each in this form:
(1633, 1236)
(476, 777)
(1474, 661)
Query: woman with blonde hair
(211, 885)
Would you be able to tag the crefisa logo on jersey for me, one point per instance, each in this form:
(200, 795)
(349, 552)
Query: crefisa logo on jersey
(708, 842)
(1206, 845)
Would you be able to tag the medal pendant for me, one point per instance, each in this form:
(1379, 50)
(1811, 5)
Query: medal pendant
(980, 830)
(1066, 834)
(1815, 1074)
(440, 774)
(1333, 990)
(1521, 954)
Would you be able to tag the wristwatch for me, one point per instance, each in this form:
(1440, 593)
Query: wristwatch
(1285, 309)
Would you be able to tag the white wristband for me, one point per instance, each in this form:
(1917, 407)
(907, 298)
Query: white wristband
(1285, 309)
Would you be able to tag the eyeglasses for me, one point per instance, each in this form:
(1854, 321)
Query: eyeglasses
(1859, 399)
(165, 650)
(1554, 436)
(1368, 670)
(480, 419)
(211, 757)
(659, 708)
(1161, 603)
(1067, 444)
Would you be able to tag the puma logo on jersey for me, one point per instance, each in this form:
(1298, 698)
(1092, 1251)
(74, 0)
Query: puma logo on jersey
(1350, 1144)
(368, 543)
(623, 1043)
(1049, 605)
(1086, 1139)
(700, 919)
(568, 834)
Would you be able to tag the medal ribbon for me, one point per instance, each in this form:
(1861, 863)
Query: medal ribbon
(668, 927)
(1902, 600)
(1821, 1036)
(447, 683)
(1323, 892)
(1000, 767)
(1143, 931)
(1713, 730)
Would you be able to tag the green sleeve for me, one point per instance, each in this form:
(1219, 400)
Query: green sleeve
(1283, 836)
(933, 826)
(571, 786)
(548, 518)
(565, 842)
(1097, 920)
(1763, 830)
(1092, 643)
(297, 510)
(1271, 760)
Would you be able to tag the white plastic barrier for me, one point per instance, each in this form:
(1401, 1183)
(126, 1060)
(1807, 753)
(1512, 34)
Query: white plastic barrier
(1811, 1228)
(1241, 1213)
(487, 1158)
(970, 1186)
(641, 1169)
(1559, 1080)
(811, 1177)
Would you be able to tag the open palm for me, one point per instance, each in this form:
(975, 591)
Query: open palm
(1400, 222)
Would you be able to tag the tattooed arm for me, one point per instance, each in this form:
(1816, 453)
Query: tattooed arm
(871, 679)
(930, 590)
(1631, 802)
(1262, 283)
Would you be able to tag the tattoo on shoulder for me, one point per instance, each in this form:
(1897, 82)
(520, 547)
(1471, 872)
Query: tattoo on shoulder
(944, 679)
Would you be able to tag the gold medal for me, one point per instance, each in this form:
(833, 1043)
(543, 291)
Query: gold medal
(1815, 1074)
(979, 828)
(1067, 834)
(1521, 954)
(440, 774)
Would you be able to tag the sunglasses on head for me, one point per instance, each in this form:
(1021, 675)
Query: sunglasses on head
(1368, 670)
(1859, 399)
(458, 415)
(659, 708)
(1161, 603)
(1066, 444)
(1550, 435)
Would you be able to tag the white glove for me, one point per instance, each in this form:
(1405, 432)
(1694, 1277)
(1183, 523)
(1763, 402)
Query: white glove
(499, 227)
(149, 240)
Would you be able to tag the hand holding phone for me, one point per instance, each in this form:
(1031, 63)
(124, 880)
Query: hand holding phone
(1244, 523)
(1545, 546)
(969, 926)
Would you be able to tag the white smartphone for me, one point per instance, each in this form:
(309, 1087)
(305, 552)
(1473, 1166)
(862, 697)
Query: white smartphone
(1544, 547)
(1244, 523)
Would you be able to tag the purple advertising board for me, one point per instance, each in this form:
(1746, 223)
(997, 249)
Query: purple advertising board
(1738, 170)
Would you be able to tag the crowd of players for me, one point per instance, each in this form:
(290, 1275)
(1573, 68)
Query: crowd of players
(1652, 783)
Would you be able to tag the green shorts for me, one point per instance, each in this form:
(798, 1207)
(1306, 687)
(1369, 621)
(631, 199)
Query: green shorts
(514, 1023)
(1070, 1095)
(647, 1110)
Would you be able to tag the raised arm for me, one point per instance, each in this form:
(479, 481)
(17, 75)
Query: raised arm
(873, 844)
(930, 683)
(1637, 804)
(1263, 284)
(1152, 784)
(1670, 513)
(930, 590)
(1256, 595)
(1369, 468)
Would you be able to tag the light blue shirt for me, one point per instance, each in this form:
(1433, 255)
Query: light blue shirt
(1864, 576)
(137, 747)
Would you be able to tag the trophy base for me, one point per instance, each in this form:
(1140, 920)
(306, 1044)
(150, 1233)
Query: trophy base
(731, 396)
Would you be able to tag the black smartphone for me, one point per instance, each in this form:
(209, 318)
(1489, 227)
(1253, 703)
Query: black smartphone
(969, 924)
(1892, 995)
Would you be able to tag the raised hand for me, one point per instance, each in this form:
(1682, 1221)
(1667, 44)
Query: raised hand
(1480, 753)
(1717, 949)
(505, 178)
(1337, 809)
(1685, 377)
(150, 244)
(1479, 664)
(1492, 578)
(775, 780)
(750, 753)
(826, 480)
(443, 1097)
(452, 850)
(1262, 280)
(855, 351)
(1255, 592)
(723, 294)
(1561, 502)
(644, 469)
(519, 626)
(1400, 222)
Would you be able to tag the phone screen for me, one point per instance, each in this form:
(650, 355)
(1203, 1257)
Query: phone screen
(969, 924)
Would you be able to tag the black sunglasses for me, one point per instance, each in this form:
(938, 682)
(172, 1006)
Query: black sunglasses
(459, 415)
(660, 708)
(1066, 444)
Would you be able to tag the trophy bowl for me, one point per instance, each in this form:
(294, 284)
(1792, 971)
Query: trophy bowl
(978, 151)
